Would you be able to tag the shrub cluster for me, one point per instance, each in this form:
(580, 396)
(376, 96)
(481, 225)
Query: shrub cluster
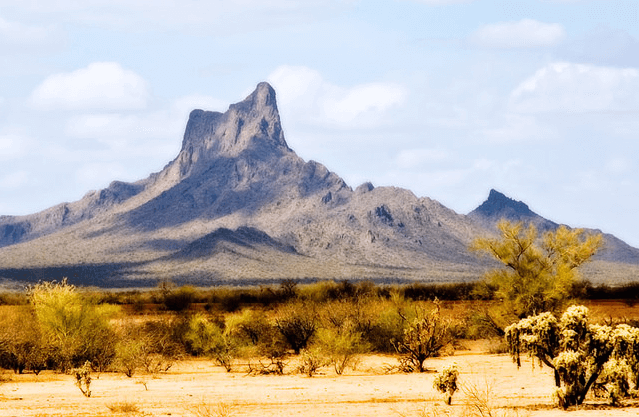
(328, 323)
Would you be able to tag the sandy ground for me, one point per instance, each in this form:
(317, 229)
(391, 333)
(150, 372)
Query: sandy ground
(200, 389)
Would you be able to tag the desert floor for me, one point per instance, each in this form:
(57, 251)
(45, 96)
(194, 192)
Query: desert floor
(200, 389)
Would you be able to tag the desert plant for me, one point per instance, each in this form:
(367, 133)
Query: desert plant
(446, 382)
(83, 378)
(536, 277)
(123, 407)
(207, 338)
(221, 409)
(22, 346)
(74, 327)
(311, 360)
(340, 345)
(577, 352)
(424, 337)
(297, 322)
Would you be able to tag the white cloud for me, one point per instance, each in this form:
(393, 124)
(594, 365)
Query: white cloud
(526, 33)
(101, 85)
(412, 158)
(518, 128)
(100, 173)
(567, 87)
(184, 105)
(13, 146)
(14, 180)
(193, 15)
(126, 127)
(618, 166)
(305, 92)
(18, 34)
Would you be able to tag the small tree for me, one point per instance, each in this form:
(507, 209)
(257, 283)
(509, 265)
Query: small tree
(424, 337)
(75, 328)
(579, 353)
(538, 273)
(446, 382)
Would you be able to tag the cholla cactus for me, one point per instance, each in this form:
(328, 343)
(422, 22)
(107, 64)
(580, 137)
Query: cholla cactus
(446, 382)
(83, 379)
(580, 354)
(614, 380)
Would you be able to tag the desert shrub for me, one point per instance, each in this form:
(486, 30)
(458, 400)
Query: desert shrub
(340, 346)
(579, 353)
(259, 340)
(386, 327)
(22, 346)
(451, 292)
(151, 346)
(179, 299)
(123, 407)
(297, 323)
(248, 327)
(425, 336)
(128, 358)
(311, 360)
(446, 382)
(205, 337)
(75, 329)
(13, 298)
(341, 335)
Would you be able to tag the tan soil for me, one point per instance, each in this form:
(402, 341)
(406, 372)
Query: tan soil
(198, 388)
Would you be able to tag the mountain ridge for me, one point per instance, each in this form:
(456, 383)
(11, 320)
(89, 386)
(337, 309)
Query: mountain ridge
(236, 181)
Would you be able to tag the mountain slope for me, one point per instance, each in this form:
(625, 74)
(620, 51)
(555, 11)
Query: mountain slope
(237, 205)
(498, 207)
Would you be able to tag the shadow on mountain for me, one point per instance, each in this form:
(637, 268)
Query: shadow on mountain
(212, 243)
(109, 275)
(244, 183)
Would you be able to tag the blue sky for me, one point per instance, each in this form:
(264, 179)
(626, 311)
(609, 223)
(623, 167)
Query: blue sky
(538, 99)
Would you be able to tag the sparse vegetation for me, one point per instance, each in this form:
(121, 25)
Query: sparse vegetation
(327, 325)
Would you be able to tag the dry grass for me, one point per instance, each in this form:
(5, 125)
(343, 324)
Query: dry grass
(221, 409)
(124, 407)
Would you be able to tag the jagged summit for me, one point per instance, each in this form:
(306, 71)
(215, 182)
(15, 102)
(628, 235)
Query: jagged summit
(250, 125)
(498, 206)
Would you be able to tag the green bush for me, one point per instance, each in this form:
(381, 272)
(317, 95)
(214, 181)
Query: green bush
(76, 330)
(207, 338)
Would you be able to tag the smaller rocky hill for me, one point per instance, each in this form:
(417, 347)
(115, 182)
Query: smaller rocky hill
(498, 206)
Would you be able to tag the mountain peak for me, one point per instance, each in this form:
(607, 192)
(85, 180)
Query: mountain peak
(498, 206)
(250, 128)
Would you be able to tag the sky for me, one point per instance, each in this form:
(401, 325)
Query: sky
(538, 99)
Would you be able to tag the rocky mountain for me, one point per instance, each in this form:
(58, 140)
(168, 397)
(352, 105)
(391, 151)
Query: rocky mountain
(498, 207)
(237, 205)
